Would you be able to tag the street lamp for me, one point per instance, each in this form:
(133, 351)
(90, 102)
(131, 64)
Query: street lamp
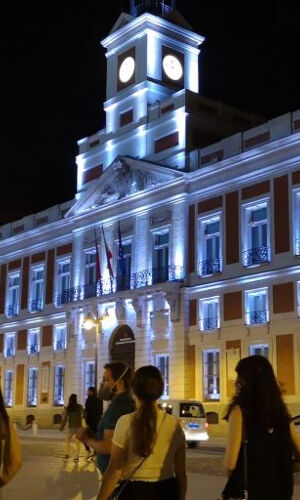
(89, 323)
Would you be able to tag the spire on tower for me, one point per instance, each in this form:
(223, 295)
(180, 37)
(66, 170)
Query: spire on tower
(157, 7)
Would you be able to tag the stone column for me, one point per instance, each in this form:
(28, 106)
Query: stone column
(178, 240)
(77, 276)
(73, 382)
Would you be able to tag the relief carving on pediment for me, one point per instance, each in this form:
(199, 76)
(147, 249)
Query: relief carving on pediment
(126, 181)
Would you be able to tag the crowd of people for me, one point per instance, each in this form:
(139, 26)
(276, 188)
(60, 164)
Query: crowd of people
(140, 449)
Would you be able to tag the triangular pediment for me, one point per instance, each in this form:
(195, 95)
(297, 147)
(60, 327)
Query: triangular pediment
(124, 178)
(121, 21)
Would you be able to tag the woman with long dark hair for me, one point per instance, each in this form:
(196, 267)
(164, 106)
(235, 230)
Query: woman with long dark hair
(258, 415)
(10, 449)
(148, 451)
(73, 416)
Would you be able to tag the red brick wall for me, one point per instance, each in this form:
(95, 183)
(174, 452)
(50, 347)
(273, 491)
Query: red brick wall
(232, 228)
(50, 276)
(166, 142)
(25, 280)
(281, 214)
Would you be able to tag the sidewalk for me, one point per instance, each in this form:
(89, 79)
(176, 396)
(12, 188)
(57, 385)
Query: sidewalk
(57, 435)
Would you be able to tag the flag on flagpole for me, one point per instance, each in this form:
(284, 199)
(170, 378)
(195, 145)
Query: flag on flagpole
(121, 259)
(108, 256)
(98, 265)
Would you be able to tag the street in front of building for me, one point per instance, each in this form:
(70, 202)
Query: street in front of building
(45, 475)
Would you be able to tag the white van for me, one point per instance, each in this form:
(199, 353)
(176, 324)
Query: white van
(192, 417)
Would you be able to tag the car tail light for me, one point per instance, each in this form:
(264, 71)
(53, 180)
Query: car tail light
(206, 425)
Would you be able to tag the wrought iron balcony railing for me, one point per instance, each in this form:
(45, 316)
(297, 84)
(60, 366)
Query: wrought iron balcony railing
(60, 345)
(256, 256)
(12, 310)
(9, 352)
(35, 305)
(33, 349)
(210, 266)
(126, 282)
(256, 317)
(210, 323)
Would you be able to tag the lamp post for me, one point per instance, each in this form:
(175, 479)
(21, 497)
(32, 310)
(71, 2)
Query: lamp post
(90, 322)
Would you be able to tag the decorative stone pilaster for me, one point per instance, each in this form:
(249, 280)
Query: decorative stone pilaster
(138, 308)
(120, 310)
(172, 299)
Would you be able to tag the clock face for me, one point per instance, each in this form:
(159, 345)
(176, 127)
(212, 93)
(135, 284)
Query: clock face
(172, 67)
(126, 69)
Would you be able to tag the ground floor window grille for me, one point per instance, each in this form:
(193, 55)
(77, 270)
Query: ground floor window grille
(59, 385)
(162, 363)
(211, 374)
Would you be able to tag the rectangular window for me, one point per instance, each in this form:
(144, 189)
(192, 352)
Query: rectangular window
(210, 313)
(256, 237)
(33, 341)
(37, 289)
(8, 388)
(32, 386)
(210, 250)
(126, 117)
(162, 363)
(90, 288)
(259, 350)
(59, 385)
(160, 262)
(9, 345)
(211, 375)
(13, 295)
(63, 282)
(60, 338)
(89, 376)
(256, 306)
(124, 268)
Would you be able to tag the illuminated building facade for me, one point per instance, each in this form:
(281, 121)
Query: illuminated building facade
(205, 200)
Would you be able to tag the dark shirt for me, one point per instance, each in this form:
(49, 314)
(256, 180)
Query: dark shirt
(120, 405)
(269, 465)
(93, 411)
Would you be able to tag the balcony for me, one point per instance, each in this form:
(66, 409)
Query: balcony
(60, 345)
(33, 349)
(120, 283)
(256, 256)
(35, 305)
(210, 323)
(256, 317)
(209, 267)
(12, 310)
(9, 352)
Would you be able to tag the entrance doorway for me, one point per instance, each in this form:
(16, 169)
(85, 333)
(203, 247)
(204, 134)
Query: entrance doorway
(122, 345)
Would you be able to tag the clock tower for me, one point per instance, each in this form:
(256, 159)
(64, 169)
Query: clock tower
(149, 58)
(152, 83)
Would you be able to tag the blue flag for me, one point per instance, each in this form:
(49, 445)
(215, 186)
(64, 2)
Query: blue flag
(121, 254)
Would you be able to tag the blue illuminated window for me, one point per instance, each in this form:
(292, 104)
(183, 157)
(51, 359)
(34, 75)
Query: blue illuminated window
(211, 375)
(259, 350)
(210, 249)
(162, 363)
(256, 234)
(8, 388)
(59, 385)
(32, 386)
(13, 295)
(256, 306)
(209, 313)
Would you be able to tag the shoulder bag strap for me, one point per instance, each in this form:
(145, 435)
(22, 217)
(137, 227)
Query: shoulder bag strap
(142, 461)
(245, 445)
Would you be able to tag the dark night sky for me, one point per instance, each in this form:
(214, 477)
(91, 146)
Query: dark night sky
(53, 81)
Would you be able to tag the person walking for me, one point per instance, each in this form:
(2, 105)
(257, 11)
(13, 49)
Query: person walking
(115, 388)
(92, 413)
(261, 436)
(148, 450)
(73, 416)
(10, 448)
